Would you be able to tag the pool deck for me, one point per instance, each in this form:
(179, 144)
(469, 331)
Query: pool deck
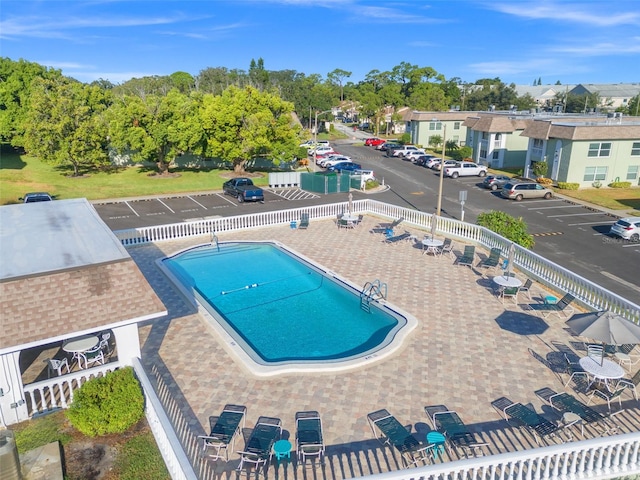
(468, 350)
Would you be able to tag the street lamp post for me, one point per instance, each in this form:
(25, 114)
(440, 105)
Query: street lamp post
(444, 142)
(315, 135)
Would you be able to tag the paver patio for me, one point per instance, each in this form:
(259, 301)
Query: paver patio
(467, 350)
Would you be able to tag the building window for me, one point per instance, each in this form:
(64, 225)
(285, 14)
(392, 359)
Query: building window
(456, 125)
(632, 172)
(456, 138)
(538, 143)
(599, 149)
(591, 174)
(635, 149)
(496, 154)
(483, 151)
(435, 125)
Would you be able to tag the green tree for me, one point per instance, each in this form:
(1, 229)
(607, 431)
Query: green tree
(156, 128)
(183, 81)
(511, 228)
(245, 123)
(337, 76)
(258, 76)
(16, 79)
(435, 141)
(65, 124)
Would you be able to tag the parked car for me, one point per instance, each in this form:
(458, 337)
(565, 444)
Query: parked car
(319, 150)
(404, 150)
(366, 174)
(494, 182)
(518, 191)
(36, 197)
(333, 159)
(465, 169)
(422, 159)
(390, 149)
(447, 163)
(243, 189)
(374, 142)
(384, 146)
(308, 144)
(413, 155)
(627, 228)
(345, 167)
(431, 161)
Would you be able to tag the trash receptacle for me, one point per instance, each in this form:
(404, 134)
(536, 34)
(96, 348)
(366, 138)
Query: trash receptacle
(9, 458)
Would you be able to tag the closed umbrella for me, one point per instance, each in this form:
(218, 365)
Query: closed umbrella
(350, 207)
(511, 256)
(606, 327)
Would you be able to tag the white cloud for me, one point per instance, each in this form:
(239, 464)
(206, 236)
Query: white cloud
(601, 49)
(598, 14)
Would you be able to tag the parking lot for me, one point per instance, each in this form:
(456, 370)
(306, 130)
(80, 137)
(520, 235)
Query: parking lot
(123, 214)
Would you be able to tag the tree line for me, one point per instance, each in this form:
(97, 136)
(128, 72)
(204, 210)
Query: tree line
(232, 114)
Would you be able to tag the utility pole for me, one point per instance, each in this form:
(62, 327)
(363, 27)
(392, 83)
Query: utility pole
(444, 143)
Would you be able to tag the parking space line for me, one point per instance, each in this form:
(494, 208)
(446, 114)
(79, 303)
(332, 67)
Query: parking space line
(168, 207)
(585, 223)
(131, 208)
(197, 202)
(224, 197)
(574, 214)
(556, 206)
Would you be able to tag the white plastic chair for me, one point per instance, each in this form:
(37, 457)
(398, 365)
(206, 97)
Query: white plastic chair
(54, 365)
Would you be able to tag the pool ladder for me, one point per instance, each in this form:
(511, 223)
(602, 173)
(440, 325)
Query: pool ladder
(370, 292)
(214, 240)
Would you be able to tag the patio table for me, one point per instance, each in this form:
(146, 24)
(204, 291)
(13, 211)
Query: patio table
(431, 245)
(607, 371)
(80, 344)
(507, 281)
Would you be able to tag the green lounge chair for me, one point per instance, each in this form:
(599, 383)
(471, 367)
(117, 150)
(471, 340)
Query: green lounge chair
(562, 306)
(258, 448)
(527, 419)
(397, 238)
(223, 432)
(309, 438)
(459, 437)
(304, 221)
(493, 260)
(468, 256)
(390, 431)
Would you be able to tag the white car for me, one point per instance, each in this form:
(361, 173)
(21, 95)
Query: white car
(463, 169)
(405, 150)
(308, 144)
(320, 150)
(365, 174)
(414, 154)
(334, 160)
(627, 228)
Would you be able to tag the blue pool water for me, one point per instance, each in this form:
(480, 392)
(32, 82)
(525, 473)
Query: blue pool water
(280, 306)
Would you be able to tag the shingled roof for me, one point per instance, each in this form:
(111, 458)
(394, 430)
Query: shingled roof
(63, 271)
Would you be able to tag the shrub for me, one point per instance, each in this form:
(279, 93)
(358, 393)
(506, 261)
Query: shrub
(596, 184)
(109, 404)
(544, 181)
(511, 228)
(405, 138)
(540, 168)
(620, 185)
(568, 186)
(369, 184)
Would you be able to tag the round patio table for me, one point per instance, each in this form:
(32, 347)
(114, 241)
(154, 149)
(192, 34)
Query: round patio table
(431, 245)
(80, 344)
(506, 281)
(604, 372)
(282, 449)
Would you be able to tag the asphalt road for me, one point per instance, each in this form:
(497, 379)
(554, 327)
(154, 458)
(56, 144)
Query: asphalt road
(571, 235)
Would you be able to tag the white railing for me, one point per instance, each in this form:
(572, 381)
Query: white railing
(597, 458)
(48, 395)
(168, 443)
(552, 275)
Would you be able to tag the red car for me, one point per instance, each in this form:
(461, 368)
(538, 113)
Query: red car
(374, 142)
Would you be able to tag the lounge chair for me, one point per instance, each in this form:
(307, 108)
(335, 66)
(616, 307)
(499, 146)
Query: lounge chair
(309, 438)
(223, 432)
(630, 384)
(458, 435)
(389, 431)
(563, 402)
(468, 256)
(492, 261)
(258, 448)
(397, 238)
(304, 221)
(525, 418)
(562, 306)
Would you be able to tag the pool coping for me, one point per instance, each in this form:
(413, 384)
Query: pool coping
(249, 364)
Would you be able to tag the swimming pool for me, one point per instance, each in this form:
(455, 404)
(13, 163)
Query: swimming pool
(281, 312)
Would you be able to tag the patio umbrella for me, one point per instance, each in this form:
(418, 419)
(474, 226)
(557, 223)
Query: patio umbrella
(350, 207)
(433, 225)
(510, 257)
(606, 327)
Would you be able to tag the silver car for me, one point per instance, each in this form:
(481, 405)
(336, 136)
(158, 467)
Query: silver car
(627, 228)
(518, 191)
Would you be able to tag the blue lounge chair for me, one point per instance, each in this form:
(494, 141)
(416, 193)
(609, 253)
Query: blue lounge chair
(459, 437)
(223, 432)
(390, 431)
(527, 419)
(258, 448)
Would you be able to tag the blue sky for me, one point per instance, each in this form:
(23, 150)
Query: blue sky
(518, 41)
